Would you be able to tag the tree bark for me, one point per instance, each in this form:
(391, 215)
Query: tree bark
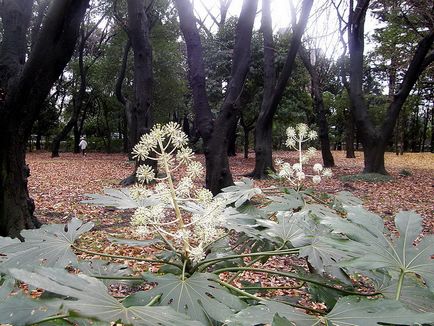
(374, 139)
(263, 130)
(319, 110)
(138, 111)
(24, 96)
(215, 133)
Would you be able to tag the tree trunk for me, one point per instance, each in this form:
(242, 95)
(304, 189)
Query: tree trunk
(215, 133)
(349, 134)
(374, 158)
(16, 206)
(374, 140)
(273, 93)
(232, 139)
(138, 111)
(24, 96)
(319, 110)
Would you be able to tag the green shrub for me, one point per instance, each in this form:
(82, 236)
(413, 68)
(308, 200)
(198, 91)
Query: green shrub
(367, 177)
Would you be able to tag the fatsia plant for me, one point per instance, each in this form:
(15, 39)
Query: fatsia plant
(204, 244)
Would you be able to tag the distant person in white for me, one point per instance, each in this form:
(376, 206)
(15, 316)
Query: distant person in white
(83, 145)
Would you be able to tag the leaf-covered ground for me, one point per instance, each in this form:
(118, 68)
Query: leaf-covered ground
(59, 184)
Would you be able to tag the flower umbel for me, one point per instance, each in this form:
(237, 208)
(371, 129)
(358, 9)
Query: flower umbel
(198, 218)
(296, 137)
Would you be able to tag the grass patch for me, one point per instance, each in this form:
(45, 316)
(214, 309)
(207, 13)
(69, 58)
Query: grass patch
(367, 177)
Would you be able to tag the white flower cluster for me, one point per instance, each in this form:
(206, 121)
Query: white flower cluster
(198, 217)
(294, 173)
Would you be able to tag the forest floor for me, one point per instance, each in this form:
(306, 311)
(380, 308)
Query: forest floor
(59, 184)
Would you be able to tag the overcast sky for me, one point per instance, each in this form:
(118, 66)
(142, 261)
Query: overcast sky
(322, 30)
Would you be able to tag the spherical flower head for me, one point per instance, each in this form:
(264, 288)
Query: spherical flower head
(184, 155)
(204, 196)
(142, 216)
(195, 169)
(316, 179)
(278, 161)
(297, 167)
(179, 139)
(184, 187)
(317, 167)
(163, 192)
(165, 157)
(311, 151)
(290, 142)
(286, 171)
(327, 173)
(171, 128)
(141, 151)
(290, 132)
(300, 176)
(182, 235)
(157, 132)
(138, 192)
(196, 254)
(145, 173)
(143, 230)
(312, 135)
(302, 130)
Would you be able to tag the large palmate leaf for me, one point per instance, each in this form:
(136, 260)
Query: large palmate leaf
(264, 313)
(198, 296)
(287, 228)
(240, 193)
(49, 246)
(97, 267)
(118, 198)
(354, 311)
(372, 249)
(413, 294)
(21, 310)
(286, 202)
(91, 299)
(5, 242)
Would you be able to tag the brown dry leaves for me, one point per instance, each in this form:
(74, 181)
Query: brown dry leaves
(58, 185)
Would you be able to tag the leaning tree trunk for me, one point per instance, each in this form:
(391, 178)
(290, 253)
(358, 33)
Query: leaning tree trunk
(215, 133)
(24, 96)
(263, 130)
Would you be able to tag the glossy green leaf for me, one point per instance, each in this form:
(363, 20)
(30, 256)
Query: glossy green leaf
(264, 313)
(241, 192)
(198, 296)
(89, 298)
(48, 246)
(21, 310)
(355, 311)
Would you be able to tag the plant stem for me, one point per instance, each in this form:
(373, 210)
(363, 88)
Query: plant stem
(260, 288)
(125, 257)
(53, 318)
(154, 299)
(251, 296)
(291, 275)
(253, 254)
(127, 278)
(239, 291)
(183, 270)
(239, 272)
(400, 283)
(181, 225)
